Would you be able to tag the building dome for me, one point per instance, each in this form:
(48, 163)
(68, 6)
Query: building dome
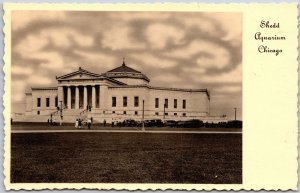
(127, 75)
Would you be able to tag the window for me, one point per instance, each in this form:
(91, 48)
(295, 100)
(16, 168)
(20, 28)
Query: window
(184, 114)
(114, 102)
(156, 103)
(124, 112)
(114, 112)
(38, 102)
(156, 113)
(124, 101)
(166, 113)
(47, 102)
(166, 103)
(38, 112)
(56, 102)
(136, 101)
(135, 112)
(183, 104)
(175, 103)
(175, 114)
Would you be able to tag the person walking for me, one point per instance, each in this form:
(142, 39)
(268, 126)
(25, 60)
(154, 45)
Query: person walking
(76, 123)
(79, 123)
(89, 123)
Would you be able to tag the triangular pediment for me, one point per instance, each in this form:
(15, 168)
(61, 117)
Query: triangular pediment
(79, 74)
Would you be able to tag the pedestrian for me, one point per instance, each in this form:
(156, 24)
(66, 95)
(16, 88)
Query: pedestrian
(89, 123)
(79, 123)
(76, 123)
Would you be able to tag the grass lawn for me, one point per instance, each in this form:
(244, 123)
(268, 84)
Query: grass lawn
(126, 158)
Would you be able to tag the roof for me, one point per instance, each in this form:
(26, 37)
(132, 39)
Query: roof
(44, 88)
(124, 71)
(79, 71)
(162, 88)
(124, 68)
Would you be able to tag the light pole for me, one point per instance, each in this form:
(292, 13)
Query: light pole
(143, 114)
(60, 120)
(235, 113)
(164, 111)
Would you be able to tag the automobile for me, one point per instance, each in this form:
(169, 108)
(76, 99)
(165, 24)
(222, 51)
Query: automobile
(153, 123)
(193, 123)
(235, 124)
(180, 123)
(170, 123)
(130, 123)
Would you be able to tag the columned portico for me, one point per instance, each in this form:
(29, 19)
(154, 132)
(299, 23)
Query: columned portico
(78, 97)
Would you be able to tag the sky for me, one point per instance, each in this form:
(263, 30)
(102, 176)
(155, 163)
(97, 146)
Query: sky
(174, 49)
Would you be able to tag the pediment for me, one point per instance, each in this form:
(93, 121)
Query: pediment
(80, 74)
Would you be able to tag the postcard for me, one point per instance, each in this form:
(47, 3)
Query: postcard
(180, 96)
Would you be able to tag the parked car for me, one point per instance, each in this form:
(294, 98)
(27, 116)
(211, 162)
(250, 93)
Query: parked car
(235, 124)
(193, 123)
(154, 123)
(127, 123)
(170, 123)
(180, 124)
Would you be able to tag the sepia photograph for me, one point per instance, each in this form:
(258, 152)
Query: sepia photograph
(126, 97)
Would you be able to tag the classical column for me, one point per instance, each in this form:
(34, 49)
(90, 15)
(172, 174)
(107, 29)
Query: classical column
(84, 97)
(69, 98)
(93, 96)
(76, 97)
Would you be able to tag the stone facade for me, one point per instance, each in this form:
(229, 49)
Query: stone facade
(119, 94)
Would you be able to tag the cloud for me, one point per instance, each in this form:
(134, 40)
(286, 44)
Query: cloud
(30, 45)
(229, 18)
(101, 60)
(40, 80)
(18, 92)
(206, 54)
(21, 19)
(159, 34)
(118, 38)
(20, 70)
(234, 76)
(154, 61)
(63, 37)
(229, 89)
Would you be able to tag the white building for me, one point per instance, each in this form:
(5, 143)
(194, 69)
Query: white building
(116, 95)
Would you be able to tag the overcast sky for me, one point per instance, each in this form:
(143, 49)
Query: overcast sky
(185, 50)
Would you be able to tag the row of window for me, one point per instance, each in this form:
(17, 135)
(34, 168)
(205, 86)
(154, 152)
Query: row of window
(136, 102)
(38, 102)
(136, 113)
(166, 104)
(156, 113)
